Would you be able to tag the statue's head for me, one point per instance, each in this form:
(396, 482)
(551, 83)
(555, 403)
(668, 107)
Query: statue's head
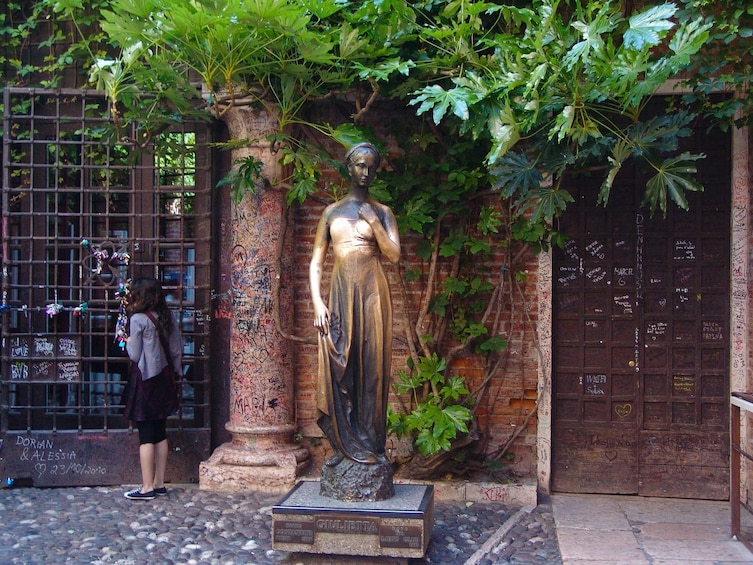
(363, 147)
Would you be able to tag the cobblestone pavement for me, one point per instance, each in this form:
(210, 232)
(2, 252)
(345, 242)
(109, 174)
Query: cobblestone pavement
(191, 526)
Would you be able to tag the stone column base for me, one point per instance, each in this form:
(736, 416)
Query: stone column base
(233, 468)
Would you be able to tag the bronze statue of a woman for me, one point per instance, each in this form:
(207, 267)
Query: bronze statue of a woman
(355, 328)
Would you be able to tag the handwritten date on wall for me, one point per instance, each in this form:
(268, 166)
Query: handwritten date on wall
(48, 461)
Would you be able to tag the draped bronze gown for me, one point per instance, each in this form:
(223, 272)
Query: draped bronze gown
(355, 356)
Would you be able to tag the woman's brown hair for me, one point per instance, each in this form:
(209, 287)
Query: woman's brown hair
(146, 295)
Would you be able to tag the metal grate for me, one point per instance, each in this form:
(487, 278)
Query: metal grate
(81, 215)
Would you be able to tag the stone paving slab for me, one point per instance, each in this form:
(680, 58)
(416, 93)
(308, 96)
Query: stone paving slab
(588, 512)
(696, 553)
(599, 546)
(685, 562)
(629, 530)
(695, 532)
(673, 510)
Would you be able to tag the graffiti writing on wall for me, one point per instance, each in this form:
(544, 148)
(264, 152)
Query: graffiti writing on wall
(47, 460)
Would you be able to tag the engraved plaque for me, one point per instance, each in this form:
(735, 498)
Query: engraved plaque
(293, 531)
(346, 524)
(400, 536)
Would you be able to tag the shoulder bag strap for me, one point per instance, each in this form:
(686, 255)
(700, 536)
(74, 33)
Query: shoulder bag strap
(162, 340)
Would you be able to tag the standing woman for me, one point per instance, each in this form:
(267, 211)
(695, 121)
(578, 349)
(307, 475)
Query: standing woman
(155, 347)
(355, 327)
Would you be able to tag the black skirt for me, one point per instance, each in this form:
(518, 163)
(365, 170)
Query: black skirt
(153, 399)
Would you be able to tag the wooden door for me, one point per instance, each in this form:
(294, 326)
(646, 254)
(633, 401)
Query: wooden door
(641, 339)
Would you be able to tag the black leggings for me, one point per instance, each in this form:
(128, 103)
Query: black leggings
(152, 431)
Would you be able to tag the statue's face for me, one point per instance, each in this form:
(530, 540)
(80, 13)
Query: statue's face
(362, 168)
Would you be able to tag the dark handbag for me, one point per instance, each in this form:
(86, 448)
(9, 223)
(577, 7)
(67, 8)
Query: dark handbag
(175, 378)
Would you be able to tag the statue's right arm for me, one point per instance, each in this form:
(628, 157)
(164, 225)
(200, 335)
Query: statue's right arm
(321, 244)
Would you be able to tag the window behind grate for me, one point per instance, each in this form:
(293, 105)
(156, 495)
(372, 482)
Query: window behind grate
(81, 216)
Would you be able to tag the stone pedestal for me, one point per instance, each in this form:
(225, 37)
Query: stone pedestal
(306, 522)
(262, 454)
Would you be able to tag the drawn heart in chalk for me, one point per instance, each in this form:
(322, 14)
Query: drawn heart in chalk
(40, 468)
(610, 455)
(623, 410)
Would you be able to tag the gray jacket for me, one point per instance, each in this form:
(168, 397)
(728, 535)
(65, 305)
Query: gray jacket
(144, 346)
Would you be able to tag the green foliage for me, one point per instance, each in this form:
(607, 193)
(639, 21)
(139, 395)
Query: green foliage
(730, 42)
(439, 415)
(514, 78)
(442, 188)
(438, 185)
(243, 178)
(673, 177)
(55, 53)
(550, 87)
(278, 54)
(550, 73)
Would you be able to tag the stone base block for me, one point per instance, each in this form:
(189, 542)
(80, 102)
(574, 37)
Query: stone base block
(230, 469)
(306, 522)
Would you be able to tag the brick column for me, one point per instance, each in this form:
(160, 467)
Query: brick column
(261, 454)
